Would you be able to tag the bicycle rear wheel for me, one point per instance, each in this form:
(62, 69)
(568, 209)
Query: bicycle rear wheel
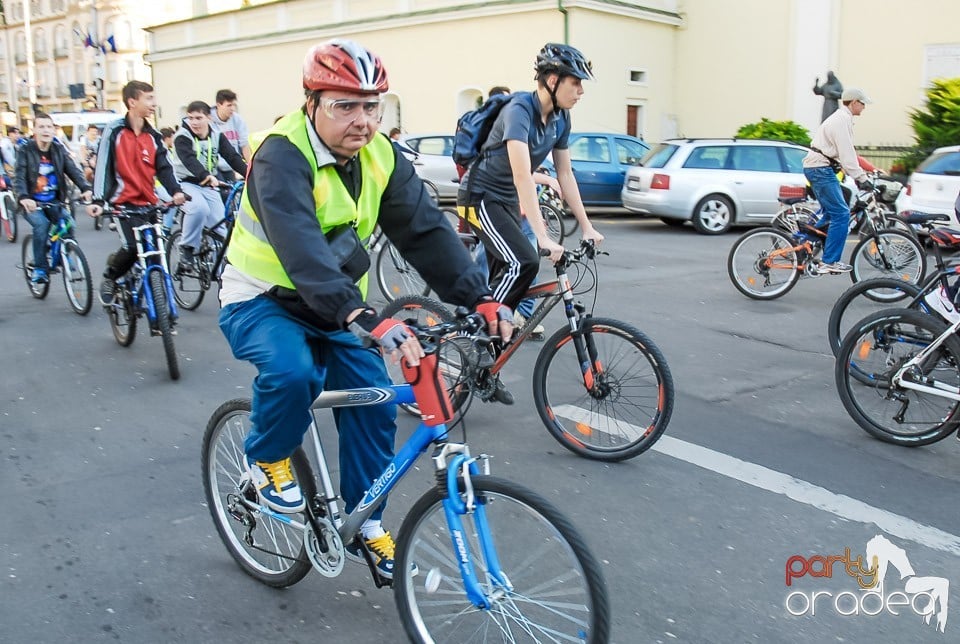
(556, 592)
(763, 264)
(889, 253)
(863, 299)
(158, 289)
(271, 552)
(188, 288)
(553, 220)
(76, 277)
(617, 410)
(9, 218)
(873, 352)
(395, 276)
(39, 291)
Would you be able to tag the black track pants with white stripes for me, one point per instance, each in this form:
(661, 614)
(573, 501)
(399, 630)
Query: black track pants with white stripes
(513, 261)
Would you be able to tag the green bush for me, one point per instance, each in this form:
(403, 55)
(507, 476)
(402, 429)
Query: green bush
(936, 125)
(776, 130)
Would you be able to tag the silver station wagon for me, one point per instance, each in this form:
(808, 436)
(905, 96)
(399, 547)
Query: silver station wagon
(713, 183)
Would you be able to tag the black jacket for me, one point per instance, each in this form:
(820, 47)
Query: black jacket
(280, 189)
(28, 170)
(188, 167)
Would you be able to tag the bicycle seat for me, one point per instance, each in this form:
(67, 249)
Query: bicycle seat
(789, 201)
(916, 217)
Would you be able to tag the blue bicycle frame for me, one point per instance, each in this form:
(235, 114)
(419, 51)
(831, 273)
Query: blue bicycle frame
(151, 256)
(453, 458)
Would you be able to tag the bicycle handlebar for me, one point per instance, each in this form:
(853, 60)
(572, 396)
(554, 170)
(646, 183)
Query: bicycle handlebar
(587, 249)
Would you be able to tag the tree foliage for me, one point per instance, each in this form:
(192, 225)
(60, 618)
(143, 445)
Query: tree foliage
(775, 130)
(936, 125)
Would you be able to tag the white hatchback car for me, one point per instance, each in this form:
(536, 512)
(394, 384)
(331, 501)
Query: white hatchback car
(713, 183)
(934, 185)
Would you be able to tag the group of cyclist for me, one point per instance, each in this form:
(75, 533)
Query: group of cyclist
(289, 304)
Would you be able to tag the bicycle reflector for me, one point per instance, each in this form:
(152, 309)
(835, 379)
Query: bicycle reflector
(792, 192)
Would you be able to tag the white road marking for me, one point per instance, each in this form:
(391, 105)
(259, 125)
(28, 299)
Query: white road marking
(779, 483)
(799, 490)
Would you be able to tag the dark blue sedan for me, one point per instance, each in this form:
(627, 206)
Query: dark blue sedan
(600, 161)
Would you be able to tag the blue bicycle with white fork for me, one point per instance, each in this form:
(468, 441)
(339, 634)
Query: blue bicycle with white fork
(478, 558)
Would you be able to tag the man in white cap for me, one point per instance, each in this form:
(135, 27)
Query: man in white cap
(830, 152)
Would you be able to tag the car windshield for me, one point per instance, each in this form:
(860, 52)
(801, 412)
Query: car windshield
(658, 156)
(947, 163)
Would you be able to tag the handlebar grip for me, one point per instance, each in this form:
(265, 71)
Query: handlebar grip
(543, 252)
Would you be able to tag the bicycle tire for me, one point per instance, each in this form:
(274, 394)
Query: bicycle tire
(553, 221)
(188, 290)
(158, 289)
(903, 252)
(10, 221)
(557, 585)
(625, 412)
(877, 347)
(428, 312)
(38, 291)
(223, 469)
(751, 271)
(395, 276)
(123, 317)
(432, 191)
(76, 277)
(862, 299)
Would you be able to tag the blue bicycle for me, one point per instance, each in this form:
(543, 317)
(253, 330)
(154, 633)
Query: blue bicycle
(494, 562)
(63, 256)
(146, 289)
(190, 286)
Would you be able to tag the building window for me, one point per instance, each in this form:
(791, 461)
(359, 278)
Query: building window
(638, 76)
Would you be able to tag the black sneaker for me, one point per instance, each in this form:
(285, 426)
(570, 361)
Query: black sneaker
(187, 263)
(108, 288)
(502, 395)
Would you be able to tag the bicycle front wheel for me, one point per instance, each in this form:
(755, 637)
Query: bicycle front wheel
(164, 322)
(863, 299)
(873, 352)
(271, 552)
(76, 277)
(188, 288)
(554, 592)
(395, 276)
(764, 264)
(620, 407)
(889, 253)
(38, 290)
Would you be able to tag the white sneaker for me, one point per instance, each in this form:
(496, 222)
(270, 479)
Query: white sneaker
(519, 321)
(939, 301)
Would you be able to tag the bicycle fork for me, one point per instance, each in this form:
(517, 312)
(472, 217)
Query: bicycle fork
(461, 467)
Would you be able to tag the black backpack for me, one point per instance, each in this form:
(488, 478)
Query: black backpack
(474, 127)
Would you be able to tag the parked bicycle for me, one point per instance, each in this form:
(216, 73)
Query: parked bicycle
(766, 263)
(147, 289)
(602, 388)
(189, 286)
(932, 296)
(478, 558)
(64, 256)
(8, 211)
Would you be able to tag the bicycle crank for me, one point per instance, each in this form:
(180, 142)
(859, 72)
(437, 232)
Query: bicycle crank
(325, 551)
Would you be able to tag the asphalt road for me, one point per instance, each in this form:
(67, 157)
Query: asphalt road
(105, 535)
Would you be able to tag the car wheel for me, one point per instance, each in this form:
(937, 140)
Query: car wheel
(673, 223)
(713, 215)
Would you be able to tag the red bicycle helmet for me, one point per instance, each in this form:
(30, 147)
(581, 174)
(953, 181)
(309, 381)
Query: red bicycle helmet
(344, 65)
